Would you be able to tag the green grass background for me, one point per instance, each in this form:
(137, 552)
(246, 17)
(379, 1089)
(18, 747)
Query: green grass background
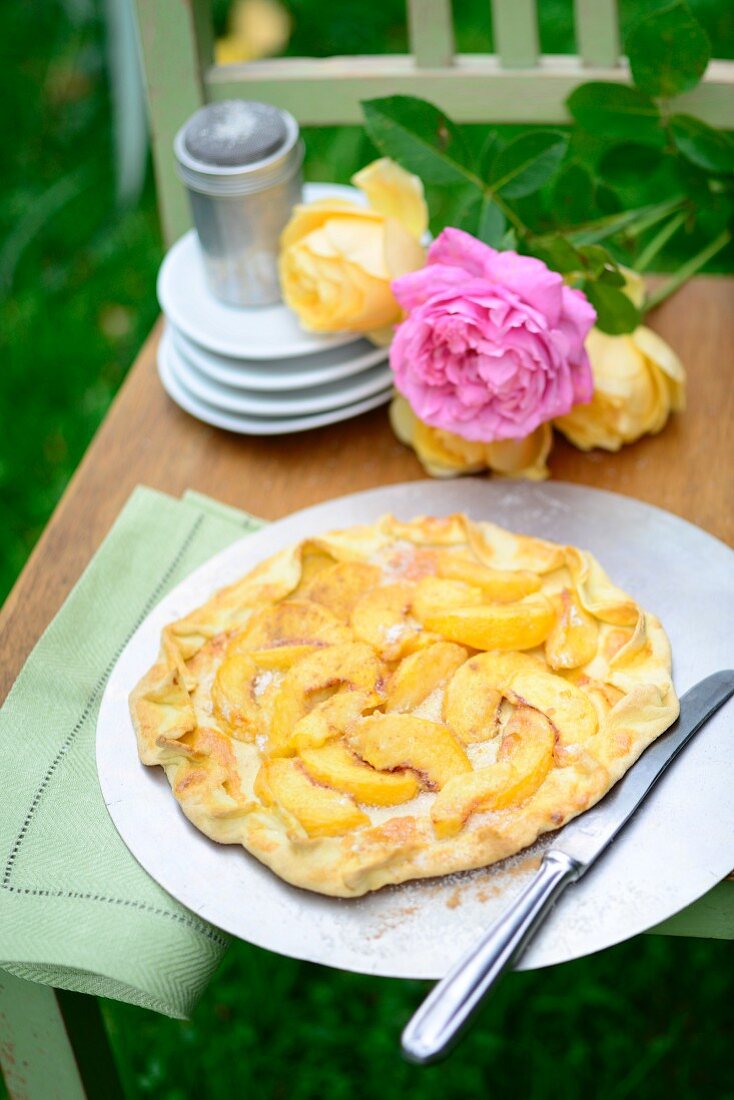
(650, 1018)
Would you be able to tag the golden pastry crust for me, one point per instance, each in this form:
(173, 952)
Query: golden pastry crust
(403, 700)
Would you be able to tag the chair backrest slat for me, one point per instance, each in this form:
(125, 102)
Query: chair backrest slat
(515, 25)
(597, 32)
(176, 49)
(431, 33)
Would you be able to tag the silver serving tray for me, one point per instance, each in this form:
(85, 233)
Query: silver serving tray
(679, 846)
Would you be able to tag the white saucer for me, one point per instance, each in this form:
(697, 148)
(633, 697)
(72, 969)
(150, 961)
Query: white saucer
(275, 376)
(294, 402)
(268, 332)
(255, 425)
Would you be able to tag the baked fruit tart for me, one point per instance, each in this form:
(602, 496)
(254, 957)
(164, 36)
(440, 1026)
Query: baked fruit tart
(403, 700)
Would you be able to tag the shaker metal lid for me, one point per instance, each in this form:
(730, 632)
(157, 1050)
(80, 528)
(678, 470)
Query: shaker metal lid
(234, 133)
(237, 146)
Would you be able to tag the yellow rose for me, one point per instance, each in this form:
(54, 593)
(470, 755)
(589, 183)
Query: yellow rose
(443, 454)
(638, 382)
(256, 28)
(337, 259)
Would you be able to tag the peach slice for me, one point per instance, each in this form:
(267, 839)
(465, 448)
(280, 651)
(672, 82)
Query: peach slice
(242, 695)
(349, 667)
(573, 640)
(313, 561)
(520, 625)
(335, 766)
(329, 719)
(291, 623)
(528, 737)
(381, 618)
(569, 709)
(341, 586)
(319, 810)
(418, 675)
(498, 585)
(434, 594)
(471, 704)
(282, 657)
(524, 760)
(402, 741)
(523, 679)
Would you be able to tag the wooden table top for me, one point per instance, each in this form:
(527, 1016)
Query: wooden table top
(146, 439)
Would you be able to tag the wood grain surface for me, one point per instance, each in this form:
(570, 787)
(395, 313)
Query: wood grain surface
(146, 439)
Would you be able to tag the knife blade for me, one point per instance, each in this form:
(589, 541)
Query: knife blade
(438, 1022)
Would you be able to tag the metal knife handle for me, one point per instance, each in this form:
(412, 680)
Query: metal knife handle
(453, 1001)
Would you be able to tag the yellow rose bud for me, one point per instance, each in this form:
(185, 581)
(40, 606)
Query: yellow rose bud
(638, 382)
(443, 454)
(337, 259)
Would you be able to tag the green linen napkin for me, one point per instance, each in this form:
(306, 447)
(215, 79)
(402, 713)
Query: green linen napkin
(76, 910)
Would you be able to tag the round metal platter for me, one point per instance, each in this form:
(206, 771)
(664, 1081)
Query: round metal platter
(679, 845)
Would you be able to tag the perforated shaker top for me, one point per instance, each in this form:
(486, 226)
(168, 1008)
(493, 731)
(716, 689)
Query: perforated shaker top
(234, 133)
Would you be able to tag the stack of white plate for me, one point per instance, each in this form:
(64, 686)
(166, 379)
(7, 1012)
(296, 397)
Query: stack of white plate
(255, 370)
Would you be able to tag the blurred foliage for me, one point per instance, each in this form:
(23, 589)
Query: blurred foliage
(651, 1018)
(77, 286)
(77, 275)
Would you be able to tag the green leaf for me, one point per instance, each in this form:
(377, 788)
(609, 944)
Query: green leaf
(700, 144)
(616, 111)
(607, 199)
(488, 152)
(612, 276)
(593, 262)
(668, 52)
(622, 165)
(615, 313)
(526, 163)
(419, 137)
(599, 263)
(713, 218)
(483, 219)
(572, 196)
(558, 253)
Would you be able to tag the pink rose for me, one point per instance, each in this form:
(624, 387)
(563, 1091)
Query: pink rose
(493, 344)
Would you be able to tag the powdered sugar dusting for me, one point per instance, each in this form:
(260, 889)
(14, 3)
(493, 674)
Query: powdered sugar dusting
(262, 682)
(394, 633)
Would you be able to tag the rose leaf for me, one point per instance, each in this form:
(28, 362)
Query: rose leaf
(419, 137)
(622, 165)
(700, 144)
(668, 51)
(615, 313)
(483, 219)
(526, 163)
(572, 195)
(616, 111)
(557, 253)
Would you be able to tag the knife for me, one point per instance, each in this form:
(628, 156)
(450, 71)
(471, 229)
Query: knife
(436, 1025)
